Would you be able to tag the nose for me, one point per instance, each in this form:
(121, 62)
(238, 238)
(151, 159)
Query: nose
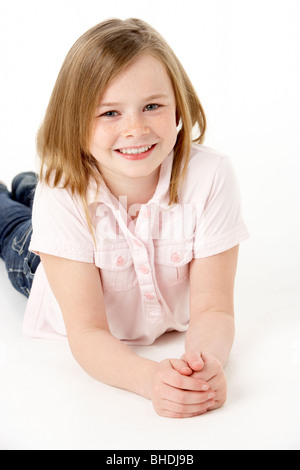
(135, 126)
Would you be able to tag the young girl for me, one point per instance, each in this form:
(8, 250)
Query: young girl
(137, 225)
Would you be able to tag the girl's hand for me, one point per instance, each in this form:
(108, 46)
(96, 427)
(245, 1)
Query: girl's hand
(176, 391)
(206, 367)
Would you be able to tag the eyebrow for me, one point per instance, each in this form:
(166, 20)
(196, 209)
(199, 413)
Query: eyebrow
(149, 98)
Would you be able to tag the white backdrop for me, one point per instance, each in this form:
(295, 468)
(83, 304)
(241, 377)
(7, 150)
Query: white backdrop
(243, 57)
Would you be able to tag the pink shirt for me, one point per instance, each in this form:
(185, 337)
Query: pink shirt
(144, 264)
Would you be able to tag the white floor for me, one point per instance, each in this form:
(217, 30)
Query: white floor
(249, 85)
(48, 402)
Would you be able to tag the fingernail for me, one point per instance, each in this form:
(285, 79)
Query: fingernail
(205, 387)
(211, 395)
(197, 363)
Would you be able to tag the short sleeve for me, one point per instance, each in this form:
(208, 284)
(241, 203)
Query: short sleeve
(220, 225)
(59, 225)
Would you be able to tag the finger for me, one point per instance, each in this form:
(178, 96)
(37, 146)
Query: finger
(184, 397)
(194, 360)
(187, 410)
(174, 415)
(181, 366)
(182, 382)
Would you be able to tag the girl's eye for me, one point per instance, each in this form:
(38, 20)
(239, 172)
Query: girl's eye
(151, 107)
(110, 114)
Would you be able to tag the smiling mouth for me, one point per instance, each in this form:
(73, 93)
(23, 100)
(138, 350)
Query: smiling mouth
(136, 153)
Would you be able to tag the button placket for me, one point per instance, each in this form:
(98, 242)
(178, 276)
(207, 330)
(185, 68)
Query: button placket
(149, 296)
(141, 257)
(152, 307)
(144, 269)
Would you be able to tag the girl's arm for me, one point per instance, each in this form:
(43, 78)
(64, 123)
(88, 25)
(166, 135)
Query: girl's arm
(211, 326)
(78, 290)
(211, 331)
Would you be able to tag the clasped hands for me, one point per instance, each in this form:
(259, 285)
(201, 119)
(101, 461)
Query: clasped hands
(189, 386)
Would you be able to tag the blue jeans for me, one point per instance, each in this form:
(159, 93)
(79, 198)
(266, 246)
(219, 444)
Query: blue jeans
(16, 230)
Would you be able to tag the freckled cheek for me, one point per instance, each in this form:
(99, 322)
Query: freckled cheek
(103, 138)
(166, 126)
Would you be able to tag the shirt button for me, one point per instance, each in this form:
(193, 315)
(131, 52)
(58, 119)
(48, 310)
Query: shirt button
(176, 258)
(149, 296)
(144, 269)
(120, 261)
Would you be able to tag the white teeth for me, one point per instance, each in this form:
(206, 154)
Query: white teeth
(135, 151)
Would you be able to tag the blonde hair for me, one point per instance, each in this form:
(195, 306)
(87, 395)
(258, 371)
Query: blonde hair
(94, 60)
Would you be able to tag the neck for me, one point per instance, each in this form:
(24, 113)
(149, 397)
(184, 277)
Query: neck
(136, 190)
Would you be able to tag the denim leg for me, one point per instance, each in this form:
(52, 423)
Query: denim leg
(15, 235)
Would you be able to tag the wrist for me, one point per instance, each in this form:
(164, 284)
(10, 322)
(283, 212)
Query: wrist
(147, 371)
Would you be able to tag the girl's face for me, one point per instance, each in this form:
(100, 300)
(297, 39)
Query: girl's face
(135, 123)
